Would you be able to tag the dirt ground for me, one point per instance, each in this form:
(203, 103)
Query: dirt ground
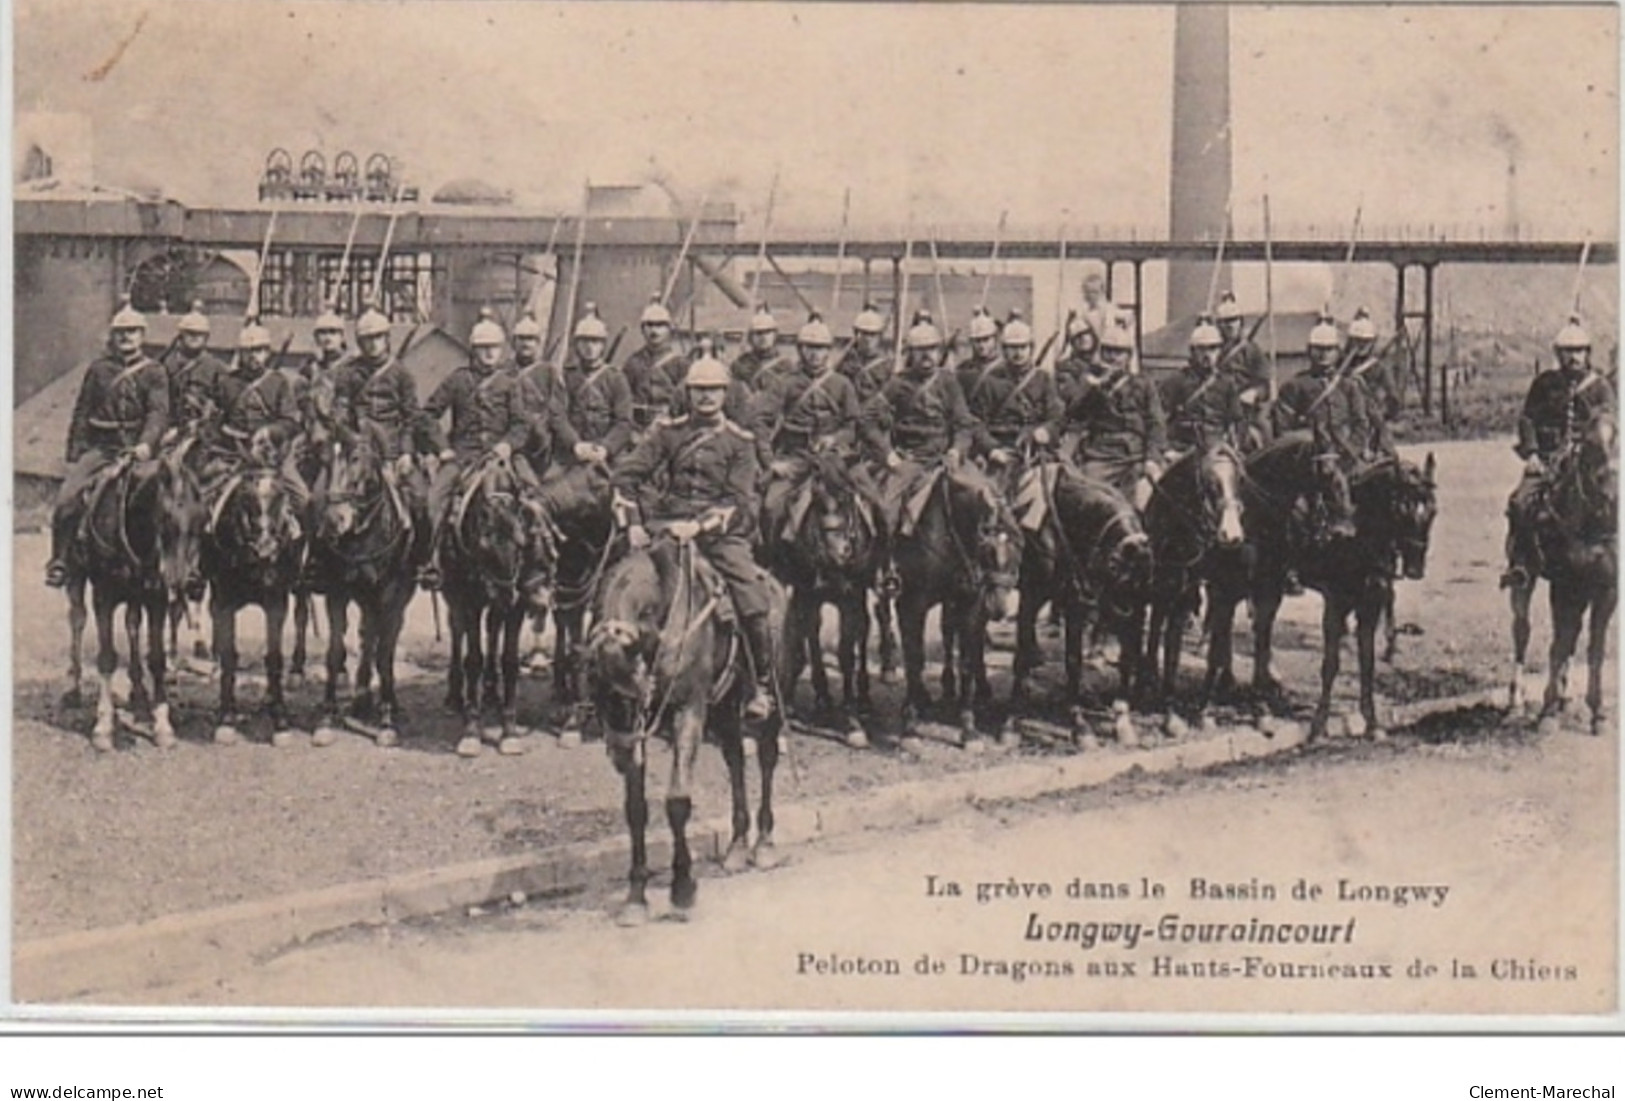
(102, 840)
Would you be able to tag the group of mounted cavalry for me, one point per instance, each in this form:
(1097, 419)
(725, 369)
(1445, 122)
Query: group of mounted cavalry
(671, 502)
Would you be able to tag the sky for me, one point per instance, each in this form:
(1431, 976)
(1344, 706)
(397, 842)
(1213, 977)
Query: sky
(941, 113)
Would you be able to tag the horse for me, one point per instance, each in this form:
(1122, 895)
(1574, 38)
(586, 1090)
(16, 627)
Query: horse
(1579, 560)
(1194, 519)
(663, 660)
(832, 560)
(362, 548)
(1395, 503)
(251, 554)
(139, 549)
(494, 536)
(579, 503)
(964, 554)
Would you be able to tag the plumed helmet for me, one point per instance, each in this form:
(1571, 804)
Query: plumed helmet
(127, 317)
(706, 371)
(815, 333)
(1324, 334)
(1572, 335)
(982, 326)
(1078, 326)
(655, 313)
(195, 321)
(591, 326)
(1362, 327)
(253, 335)
(528, 326)
(923, 334)
(329, 322)
(1206, 334)
(487, 333)
(1017, 333)
(868, 320)
(1228, 309)
(1117, 336)
(371, 323)
(763, 321)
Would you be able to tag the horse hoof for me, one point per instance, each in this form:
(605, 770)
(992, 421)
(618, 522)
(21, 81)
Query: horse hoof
(200, 650)
(324, 736)
(512, 747)
(1379, 733)
(1549, 725)
(1355, 726)
(632, 915)
(1599, 726)
(973, 744)
(912, 745)
(470, 746)
(737, 858)
(570, 739)
(1124, 731)
(1317, 730)
(164, 738)
(296, 677)
(856, 738)
(386, 738)
(1010, 735)
(101, 743)
(286, 739)
(888, 675)
(1175, 727)
(226, 734)
(1209, 724)
(683, 894)
(766, 856)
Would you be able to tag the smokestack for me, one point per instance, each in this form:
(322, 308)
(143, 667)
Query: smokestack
(1512, 196)
(1200, 177)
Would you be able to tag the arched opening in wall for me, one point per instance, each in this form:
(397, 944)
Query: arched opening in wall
(166, 282)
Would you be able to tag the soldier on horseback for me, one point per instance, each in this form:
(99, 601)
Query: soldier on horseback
(975, 369)
(1560, 405)
(194, 378)
(1019, 409)
(1243, 358)
(698, 472)
(123, 406)
(1080, 361)
(543, 399)
(488, 417)
(866, 364)
(654, 372)
(1118, 421)
(261, 417)
(599, 401)
(1202, 403)
(761, 357)
(376, 407)
(1363, 363)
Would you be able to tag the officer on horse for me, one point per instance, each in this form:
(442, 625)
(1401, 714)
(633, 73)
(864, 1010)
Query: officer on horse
(123, 406)
(1117, 418)
(1333, 409)
(698, 472)
(1243, 358)
(1363, 363)
(1560, 405)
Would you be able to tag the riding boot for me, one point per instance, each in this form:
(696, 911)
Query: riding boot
(759, 641)
(56, 570)
(1523, 558)
(1339, 505)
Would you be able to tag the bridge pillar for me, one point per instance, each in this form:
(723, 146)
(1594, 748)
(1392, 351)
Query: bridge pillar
(1139, 304)
(1404, 314)
(1427, 339)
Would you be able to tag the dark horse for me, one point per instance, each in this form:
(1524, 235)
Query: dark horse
(1577, 533)
(579, 504)
(251, 555)
(494, 535)
(362, 549)
(964, 554)
(139, 549)
(662, 659)
(832, 560)
(1195, 523)
(1394, 507)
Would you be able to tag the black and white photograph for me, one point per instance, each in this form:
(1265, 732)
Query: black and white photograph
(851, 516)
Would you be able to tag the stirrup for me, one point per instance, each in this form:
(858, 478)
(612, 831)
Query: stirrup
(429, 578)
(56, 574)
(1516, 577)
(761, 705)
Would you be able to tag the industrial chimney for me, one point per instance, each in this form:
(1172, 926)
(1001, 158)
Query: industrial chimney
(1512, 195)
(1199, 188)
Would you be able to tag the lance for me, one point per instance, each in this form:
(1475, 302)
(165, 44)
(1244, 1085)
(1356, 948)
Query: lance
(259, 270)
(761, 247)
(1060, 274)
(575, 283)
(1269, 294)
(902, 302)
(936, 278)
(795, 290)
(840, 253)
(1579, 275)
(992, 262)
(682, 254)
(1043, 353)
(1218, 261)
(344, 263)
(383, 257)
(522, 303)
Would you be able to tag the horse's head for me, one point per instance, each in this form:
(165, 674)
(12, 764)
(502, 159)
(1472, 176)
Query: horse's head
(981, 514)
(619, 652)
(1412, 506)
(264, 520)
(354, 479)
(1221, 496)
(1599, 457)
(834, 523)
(182, 517)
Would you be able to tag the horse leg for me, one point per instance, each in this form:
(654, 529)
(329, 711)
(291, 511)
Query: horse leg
(1602, 613)
(948, 616)
(857, 612)
(454, 671)
(301, 624)
(513, 624)
(885, 613)
(1520, 598)
(973, 683)
(1073, 617)
(77, 618)
(276, 616)
(1367, 615)
(731, 736)
(567, 659)
(490, 690)
(1568, 610)
(106, 664)
(1266, 603)
(163, 729)
(635, 910)
(473, 669)
(911, 626)
(854, 624)
(765, 854)
(391, 611)
(1390, 627)
(224, 622)
(1221, 646)
(688, 727)
(140, 701)
(1333, 622)
(338, 625)
(812, 633)
(1027, 657)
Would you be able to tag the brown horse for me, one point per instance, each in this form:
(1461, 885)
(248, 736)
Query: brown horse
(139, 549)
(362, 547)
(251, 555)
(663, 660)
(1577, 533)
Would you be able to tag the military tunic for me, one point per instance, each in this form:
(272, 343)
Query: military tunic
(750, 366)
(1070, 372)
(922, 417)
(655, 378)
(546, 405)
(1121, 425)
(867, 375)
(377, 401)
(194, 388)
(1334, 411)
(600, 405)
(1011, 401)
(683, 470)
(973, 374)
(486, 409)
(1202, 407)
(120, 405)
(1558, 408)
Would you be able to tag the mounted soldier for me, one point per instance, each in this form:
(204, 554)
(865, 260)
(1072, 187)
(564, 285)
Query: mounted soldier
(1117, 420)
(1203, 404)
(697, 473)
(123, 407)
(598, 399)
(867, 365)
(654, 373)
(194, 376)
(317, 392)
(1366, 365)
(1020, 411)
(976, 369)
(543, 399)
(1081, 358)
(1242, 357)
(761, 356)
(1560, 406)
(376, 408)
(261, 417)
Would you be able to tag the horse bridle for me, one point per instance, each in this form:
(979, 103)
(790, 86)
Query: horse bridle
(979, 574)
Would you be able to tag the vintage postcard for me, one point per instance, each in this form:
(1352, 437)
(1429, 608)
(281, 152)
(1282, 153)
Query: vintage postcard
(863, 516)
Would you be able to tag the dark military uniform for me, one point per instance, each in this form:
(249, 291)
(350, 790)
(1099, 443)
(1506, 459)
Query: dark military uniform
(600, 406)
(265, 403)
(546, 406)
(1070, 372)
(866, 374)
(751, 367)
(973, 374)
(486, 409)
(1121, 426)
(801, 409)
(376, 407)
(121, 405)
(194, 389)
(318, 404)
(922, 416)
(1010, 402)
(1245, 361)
(1203, 408)
(655, 379)
(1333, 410)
